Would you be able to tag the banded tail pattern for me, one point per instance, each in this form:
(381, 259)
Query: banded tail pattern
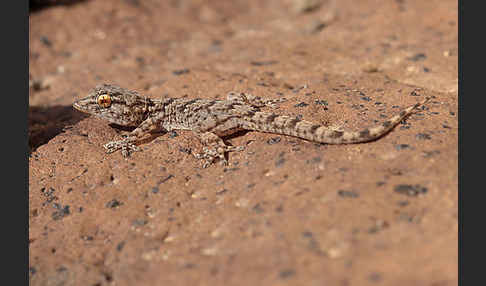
(293, 126)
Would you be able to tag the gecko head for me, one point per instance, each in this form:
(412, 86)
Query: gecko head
(115, 104)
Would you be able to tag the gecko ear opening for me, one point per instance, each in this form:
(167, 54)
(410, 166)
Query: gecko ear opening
(104, 100)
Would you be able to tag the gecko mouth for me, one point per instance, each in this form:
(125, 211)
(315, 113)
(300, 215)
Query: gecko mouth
(77, 106)
(83, 105)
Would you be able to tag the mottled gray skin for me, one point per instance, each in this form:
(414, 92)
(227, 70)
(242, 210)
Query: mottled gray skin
(212, 119)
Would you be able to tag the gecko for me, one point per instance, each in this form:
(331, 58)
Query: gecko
(211, 120)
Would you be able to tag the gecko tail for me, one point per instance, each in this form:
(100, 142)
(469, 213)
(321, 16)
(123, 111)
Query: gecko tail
(296, 127)
(324, 135)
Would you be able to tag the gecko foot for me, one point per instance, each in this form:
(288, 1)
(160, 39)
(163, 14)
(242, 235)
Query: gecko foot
(125, 145)
(210, 154)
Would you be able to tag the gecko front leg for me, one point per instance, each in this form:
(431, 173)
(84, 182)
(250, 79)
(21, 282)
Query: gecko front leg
(128, 145)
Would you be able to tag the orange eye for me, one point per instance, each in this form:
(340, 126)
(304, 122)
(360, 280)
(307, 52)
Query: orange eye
(104, 100)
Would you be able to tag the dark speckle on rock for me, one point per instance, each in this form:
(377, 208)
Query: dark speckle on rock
(113, 204)
(258, 208)
(173, 134)
(403, 203)
(120, 246)
(45, 40)
(423, 136)
(403, 216)
(402, 147)
(263, 63)
(273, 140)
(428, 154)
(302, 104)
(417, 57)
(87, 237)
(190, 265)
(180, 71)
(378, 226)
(321, 102)
(230, 169)
(221, 192)
(287, 273)
(139, 222)
(315, 26)
(307, 234)
(170, 176)
(32, 271)
(414, 93)
(410, 190)
(61, 213)
(140, 60)
(280, 161)
(135, 3)
(375, 277)
(288, 85)
(314, 160)
(348, 194)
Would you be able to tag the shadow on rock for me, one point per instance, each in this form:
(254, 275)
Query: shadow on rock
(46, 122)
(36, 5)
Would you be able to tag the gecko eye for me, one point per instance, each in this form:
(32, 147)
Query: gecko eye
(104, 100)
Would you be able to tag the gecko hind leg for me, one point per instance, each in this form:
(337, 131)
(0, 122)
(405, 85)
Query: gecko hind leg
(252, 100)
(214, 148)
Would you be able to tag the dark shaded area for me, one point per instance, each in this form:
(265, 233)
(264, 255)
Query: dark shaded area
(236, 134)
(36, 5)
(47, 122)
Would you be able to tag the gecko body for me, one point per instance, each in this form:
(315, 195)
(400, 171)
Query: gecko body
(211, 120)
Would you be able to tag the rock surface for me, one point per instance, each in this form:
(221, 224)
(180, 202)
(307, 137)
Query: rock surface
(285, 211)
